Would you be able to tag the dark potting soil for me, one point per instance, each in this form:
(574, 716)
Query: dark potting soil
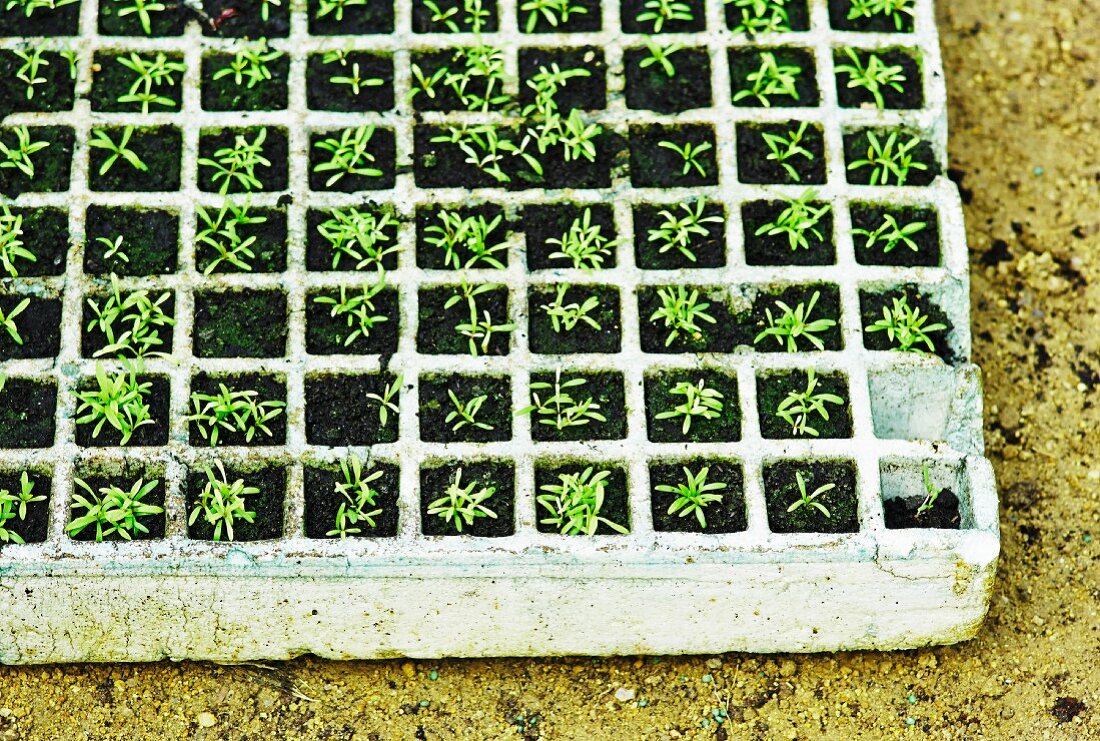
(604, 388)
(324, 95)
(267, 504)
(631, 9)
(150, 240)
(709, 249)
(543, 222)
(274, 149)
(51, 164)
(269, 247)
(112, 80)
(244, 19)
(33, 527)
(871, 306)
(753, 165)
(583, 338)
(725, 516)
(586, 93)
(870, 216)
(776, 250)
(240, 324)
(268, 387)
(745, 61)
(382, 149)
(443, 165)
(55, 94)
(338, 411)
(659, 398)
(826, 307)
(877, 23)
(168, 22)
(615, 504)
(27, 408)
(500, 475)
(159, 148)
(46, 236)
(146, 435)
(39, 326)
(436, 404)
(798, 15)
(92, 339)
(372, 18)
(722, 336)
(124, 476)
(911, 96)
(430, 257)
(772, 389)
(325, 333)
(319, 251)
(590, 20)
(781, 490)
(856, 148)
(323, 501)
(63, 21)
(422, 17)
(901, 512)
(654, 166)
(224, 94)
(650, 88)
(436, 333)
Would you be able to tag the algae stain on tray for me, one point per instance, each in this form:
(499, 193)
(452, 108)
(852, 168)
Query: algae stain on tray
(404, 301)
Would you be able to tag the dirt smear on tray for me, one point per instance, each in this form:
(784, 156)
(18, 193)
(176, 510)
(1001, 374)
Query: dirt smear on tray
(1025, 106)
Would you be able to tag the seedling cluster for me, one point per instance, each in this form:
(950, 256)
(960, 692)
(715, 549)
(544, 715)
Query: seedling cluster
(445, 245)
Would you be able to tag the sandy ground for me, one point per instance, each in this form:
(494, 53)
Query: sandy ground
(1024, 98)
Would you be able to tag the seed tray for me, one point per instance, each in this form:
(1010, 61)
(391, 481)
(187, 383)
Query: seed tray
(746, 583)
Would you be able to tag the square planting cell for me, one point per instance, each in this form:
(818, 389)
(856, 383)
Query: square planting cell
(373, 319)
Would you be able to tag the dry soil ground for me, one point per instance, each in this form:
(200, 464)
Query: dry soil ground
(1025, 106)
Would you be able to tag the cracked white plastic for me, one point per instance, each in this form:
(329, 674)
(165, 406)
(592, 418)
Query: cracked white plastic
(531, 593)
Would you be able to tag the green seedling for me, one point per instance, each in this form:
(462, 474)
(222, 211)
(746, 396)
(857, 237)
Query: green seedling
(889, 158)
(359, 499)
(891, 234)
(358, 309)
(795, 323)
(896, 9)
(689, 153)
(222, 503)
(113, 509)
(681, 313)
(759, 17)
(931, 492)
(118, 400)
(574, 503)
(456, 234)
(693, 495)
(660, 12)
(566, 316)
(150, 73)
(661, 56)
(906, 327)
(360, 236)
(349, 155)
(560, 410)
(583, 244)
(771, 78)
(102, 140)
(797, 407)
(385, 400)
(676, 232)
(238, 163)
(809, 500)
(18, 156)
(466, 412)
(12, 248)
(796, 219)
(872, 76)
(14, 505)
(554, 12)
(233, 411)
(782, 148)
(699, 402)
(461, 505)
(7, 321)
(131, 323)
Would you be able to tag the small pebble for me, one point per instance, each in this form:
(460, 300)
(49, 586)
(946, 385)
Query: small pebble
(207, 720)
(433, 675)
(409, 668)
(714, 663)
(788, 668)
(624, 694)
(707, 679)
